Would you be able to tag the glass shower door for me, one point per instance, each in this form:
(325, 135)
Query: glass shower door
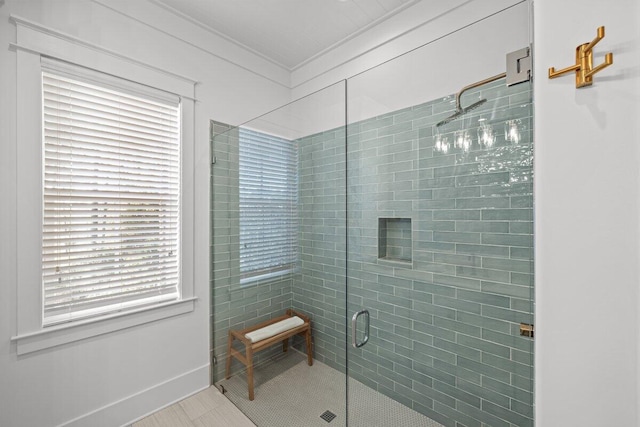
(278, 244)
(440, 235)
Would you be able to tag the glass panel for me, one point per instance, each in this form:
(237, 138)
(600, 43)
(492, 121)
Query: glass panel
(440, 235)
(252, 204)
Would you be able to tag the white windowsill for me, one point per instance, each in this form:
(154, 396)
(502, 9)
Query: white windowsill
(75, 331)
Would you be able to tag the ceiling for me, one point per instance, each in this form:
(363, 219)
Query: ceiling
(287, 32)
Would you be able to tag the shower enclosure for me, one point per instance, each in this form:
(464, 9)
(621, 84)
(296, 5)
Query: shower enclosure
(410, 245)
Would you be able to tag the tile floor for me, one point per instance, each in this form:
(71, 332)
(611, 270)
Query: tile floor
(208, 408)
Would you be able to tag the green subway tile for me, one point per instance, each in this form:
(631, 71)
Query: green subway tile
(459, 349)
(414, 295)
(430, 182)
(522, 279)
(525, 357)
(434, 394)
(397, 301)
(439, 161)
(484, 298)
(521, 227)
(459, 372)
(411, 354)
(482, 250)
(428, 310)
(506, 289)
(482, 179)
(482, 273)
(409, 372)
(507, 215)
(524, 409)
(437, 225)
(525, 305)
(435, 267)
(522, 253)
(456, 170)
(522, 201)
(507, 239)
(513, 391)
(376, 123)
(484, 322)
(433, 331)
(455, 326)
(454, 237)
(457, 393)
(468, 260)
(435, 204)
(462, 418)
(457, 215)
(455, 193)
(394, 357)
(433, 373)
(483, 203)
(432, 288)
(435, 246)
(484, 393)
(486, 370)
(487, 348)
(482, 226)
(457, 304)
(506, 414)
(506, 364)
(460, 282)
(506, 314)
(507, 190)
(507, 265)
(524, 383)
(517, 342)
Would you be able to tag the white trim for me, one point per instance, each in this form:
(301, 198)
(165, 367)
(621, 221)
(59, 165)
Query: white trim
(125, 412)
(278, 74)
(62, 46)
(76, 331)
(211, 30)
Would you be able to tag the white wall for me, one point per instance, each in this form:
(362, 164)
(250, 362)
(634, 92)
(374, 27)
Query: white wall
(587, 214)
(112, 379)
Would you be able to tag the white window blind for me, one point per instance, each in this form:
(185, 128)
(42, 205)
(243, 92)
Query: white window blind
(268, 205)
(111, 199)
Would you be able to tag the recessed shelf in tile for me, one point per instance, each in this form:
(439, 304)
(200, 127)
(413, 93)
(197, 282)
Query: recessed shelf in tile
(394, 239)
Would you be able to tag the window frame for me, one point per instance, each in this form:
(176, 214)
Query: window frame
(34, 44)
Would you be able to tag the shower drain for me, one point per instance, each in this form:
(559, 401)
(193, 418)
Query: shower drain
(328, 416)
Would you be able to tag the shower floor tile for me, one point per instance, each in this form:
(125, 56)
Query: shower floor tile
(289, 393)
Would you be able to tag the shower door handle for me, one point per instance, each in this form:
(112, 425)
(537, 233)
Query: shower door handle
(354, 329)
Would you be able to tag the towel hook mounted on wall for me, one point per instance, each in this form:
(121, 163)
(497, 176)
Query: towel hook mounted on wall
(584, 63)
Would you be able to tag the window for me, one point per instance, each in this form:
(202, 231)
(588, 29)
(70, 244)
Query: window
(89, 96)
(268, 205)
(111, 199)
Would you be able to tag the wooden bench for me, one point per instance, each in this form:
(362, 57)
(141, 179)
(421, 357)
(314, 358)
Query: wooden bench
(252, 347)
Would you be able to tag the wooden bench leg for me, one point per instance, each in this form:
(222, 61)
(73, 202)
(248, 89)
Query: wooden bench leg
(250, 371)
(307, 337)
(228, 370)
(285, 345)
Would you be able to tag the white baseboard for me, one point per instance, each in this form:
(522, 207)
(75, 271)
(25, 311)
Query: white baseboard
(137, 406)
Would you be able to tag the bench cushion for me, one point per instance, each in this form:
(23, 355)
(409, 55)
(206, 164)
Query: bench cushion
(274, 329)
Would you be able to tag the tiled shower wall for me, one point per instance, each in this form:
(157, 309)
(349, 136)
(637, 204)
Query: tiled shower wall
(234, 306)
(445, 314)
(445, 305)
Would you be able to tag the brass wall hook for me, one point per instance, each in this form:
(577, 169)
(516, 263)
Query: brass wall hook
(584, 63)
